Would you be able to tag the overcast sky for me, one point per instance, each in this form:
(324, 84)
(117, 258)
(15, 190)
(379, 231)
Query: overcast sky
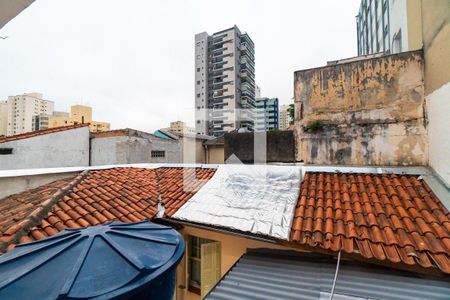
(133, 61)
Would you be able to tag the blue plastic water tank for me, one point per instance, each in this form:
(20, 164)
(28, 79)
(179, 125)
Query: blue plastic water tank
(111, 261)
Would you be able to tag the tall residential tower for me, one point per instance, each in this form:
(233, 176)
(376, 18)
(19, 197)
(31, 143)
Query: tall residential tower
(391, 26)
(224, 82)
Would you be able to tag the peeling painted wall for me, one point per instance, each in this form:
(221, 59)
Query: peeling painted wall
(367, 112)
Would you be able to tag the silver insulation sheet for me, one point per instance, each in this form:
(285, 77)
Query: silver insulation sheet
(259, 199)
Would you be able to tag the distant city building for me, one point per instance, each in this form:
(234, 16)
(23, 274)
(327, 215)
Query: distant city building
(266, 114)
(29, 112)
(42, 121)
(285, 117)
(389, 26)
(224, 82)
(3, 117)
(22, 108)
(79, 114)
(179, 127)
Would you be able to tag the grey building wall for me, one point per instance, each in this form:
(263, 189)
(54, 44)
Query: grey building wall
(280, 146)
(133, 149)
(66, 148)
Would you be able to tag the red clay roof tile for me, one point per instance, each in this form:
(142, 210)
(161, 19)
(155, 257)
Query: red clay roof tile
(386, 217)
(91, 198)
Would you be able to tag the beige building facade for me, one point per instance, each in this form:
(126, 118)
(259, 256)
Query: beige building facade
(22, 108)
(285, 117)
(79, 114)
(3, 117)
(179, 127)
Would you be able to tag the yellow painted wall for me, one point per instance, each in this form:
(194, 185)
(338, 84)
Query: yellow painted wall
(215, 154)
(233, 247)
(99, 126)
(57, 121)
(77, 112)
(414, 13)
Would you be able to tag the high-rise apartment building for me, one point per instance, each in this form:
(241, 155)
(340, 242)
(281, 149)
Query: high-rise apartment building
(266, 114)
(224, 82)
(285, 117)
(391, 26)
(22, 108)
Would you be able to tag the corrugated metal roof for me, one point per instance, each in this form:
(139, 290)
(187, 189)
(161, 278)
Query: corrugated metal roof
(284, 275)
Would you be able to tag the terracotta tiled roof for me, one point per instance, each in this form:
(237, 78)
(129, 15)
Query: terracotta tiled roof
(39, 132)
(14, 208)
(111, 133)
(119, 194)
(394, 218)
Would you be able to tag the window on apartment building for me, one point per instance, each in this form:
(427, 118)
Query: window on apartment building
(198, 69)
(198, 81)
(158, 153)
(6, 151)
(203, 264)
(198, 95)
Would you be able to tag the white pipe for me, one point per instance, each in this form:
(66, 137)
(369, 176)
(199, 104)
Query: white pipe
(336, 274)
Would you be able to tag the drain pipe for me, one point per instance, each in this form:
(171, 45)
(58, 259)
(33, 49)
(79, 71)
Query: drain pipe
(337, 270)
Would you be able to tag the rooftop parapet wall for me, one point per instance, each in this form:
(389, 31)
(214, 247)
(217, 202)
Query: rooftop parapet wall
(362, 112)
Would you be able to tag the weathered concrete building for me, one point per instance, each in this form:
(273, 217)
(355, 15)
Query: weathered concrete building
(128, 146)
(56, 147)
(363, 112)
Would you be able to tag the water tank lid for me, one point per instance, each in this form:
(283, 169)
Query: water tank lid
(104, 261)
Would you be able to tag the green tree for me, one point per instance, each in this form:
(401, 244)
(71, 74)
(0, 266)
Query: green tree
(291, 111)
